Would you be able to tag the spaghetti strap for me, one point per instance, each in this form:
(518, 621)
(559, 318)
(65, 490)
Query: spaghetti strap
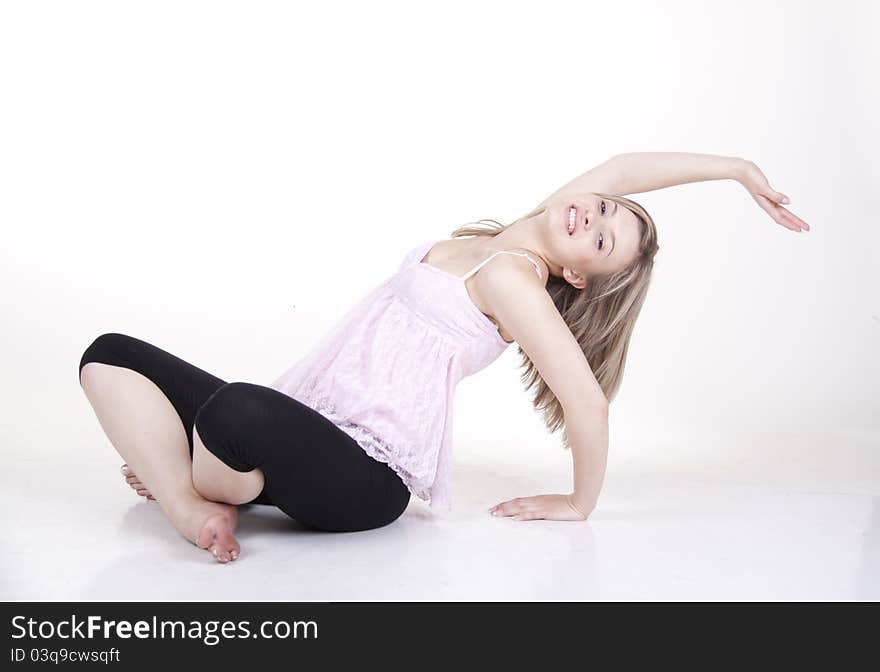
(485, 261)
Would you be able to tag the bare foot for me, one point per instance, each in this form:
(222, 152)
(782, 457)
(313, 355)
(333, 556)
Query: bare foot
(207, 524)
(210, 525)
(135, 483)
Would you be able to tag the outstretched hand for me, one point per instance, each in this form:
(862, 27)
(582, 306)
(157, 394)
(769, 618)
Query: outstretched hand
(769, 199)
(539, 507)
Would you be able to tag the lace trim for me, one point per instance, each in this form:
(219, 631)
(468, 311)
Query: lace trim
(373, 446)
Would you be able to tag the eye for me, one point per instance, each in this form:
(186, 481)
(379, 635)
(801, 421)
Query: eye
(602, 207)
(601, 241)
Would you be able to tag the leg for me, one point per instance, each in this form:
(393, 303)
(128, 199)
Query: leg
(220, 483)
(311, 469)
(185, 386)
(140, 395)
(143, 427)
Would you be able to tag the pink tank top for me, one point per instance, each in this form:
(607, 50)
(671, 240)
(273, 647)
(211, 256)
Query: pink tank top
(386, 372)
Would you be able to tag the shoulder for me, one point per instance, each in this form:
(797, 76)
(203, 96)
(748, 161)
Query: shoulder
(523, 262)
(510, 283)
(521, 304)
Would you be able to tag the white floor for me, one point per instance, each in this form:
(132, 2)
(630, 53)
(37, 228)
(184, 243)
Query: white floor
(762, 515)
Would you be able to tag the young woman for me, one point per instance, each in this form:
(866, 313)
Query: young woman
(341, 440)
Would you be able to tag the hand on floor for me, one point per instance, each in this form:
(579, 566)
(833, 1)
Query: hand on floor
(539, 507)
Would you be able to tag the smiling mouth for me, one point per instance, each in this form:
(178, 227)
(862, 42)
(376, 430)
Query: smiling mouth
(572, 219)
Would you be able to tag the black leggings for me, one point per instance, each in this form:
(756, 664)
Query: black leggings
(315, 472)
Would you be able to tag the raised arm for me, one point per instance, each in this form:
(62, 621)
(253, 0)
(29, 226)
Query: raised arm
(638, 172)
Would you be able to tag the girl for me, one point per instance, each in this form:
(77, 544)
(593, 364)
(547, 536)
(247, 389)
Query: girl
(341, 440)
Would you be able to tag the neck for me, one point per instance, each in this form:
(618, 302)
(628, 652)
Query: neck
(527, 233)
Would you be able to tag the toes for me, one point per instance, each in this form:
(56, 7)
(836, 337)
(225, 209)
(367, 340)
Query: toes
(216, 537)
(225, 548)
(228, 548)
(139, 488)
(223, 554)
(228, 541)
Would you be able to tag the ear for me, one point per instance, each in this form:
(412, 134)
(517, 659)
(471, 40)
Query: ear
(574, 278)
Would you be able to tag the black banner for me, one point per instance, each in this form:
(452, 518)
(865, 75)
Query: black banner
(230, 635)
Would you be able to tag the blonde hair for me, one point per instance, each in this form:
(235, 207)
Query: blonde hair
(601, 316)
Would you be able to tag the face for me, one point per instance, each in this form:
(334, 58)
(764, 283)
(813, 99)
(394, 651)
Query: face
(604, 239)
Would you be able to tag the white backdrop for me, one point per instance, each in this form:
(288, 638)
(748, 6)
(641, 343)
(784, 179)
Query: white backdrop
(225, 179)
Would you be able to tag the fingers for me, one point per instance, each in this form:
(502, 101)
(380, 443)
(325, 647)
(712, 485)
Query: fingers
(772, 209)
(778, 197)
(795, 219)
(775, 197)
(791, 221)
(788, 221)
(512, 509)
(503, 509)
(780, 215)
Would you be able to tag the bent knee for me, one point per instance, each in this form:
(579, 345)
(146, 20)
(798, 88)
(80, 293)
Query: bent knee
(232, 406)
(103, 349)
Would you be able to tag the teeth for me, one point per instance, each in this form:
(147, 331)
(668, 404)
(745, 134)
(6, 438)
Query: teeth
(571, 218)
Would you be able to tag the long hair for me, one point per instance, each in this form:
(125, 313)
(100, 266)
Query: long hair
(601, 316)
